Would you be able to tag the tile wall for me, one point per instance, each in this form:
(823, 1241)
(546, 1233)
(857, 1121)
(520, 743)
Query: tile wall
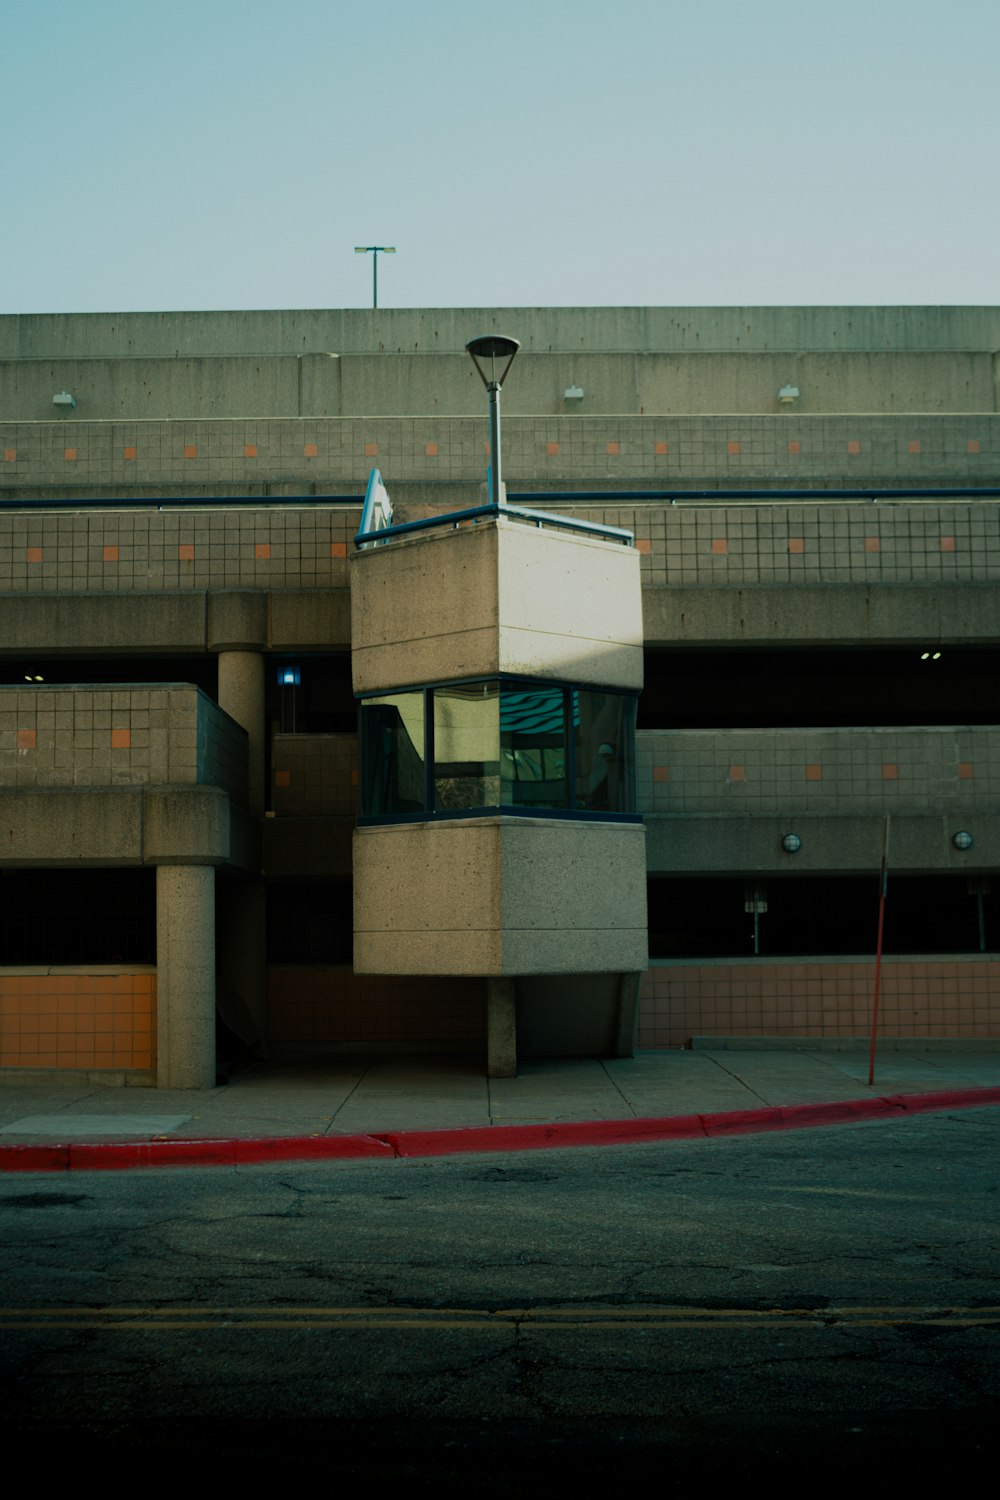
(920, 997)
(78, 1018)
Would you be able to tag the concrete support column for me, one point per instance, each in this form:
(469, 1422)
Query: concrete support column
(626, 1015)
(242, 957)
(185, 976)
(501, 1028)
(241, 695)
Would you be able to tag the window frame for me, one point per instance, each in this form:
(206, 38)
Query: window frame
(572, 811)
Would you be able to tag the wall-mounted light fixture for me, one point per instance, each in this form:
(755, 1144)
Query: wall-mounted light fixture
(791, 843)
(64, 398)
(962, 840)
(788, 395)
(573, 393)
(289, 676)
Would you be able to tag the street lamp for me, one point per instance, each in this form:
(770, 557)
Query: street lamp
(493, 346)
(374, 251)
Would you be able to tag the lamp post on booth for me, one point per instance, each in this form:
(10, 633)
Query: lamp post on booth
(493, 346)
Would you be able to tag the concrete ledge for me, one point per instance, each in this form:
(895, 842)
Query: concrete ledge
(186, 826)
(837, 844)
(236, 620)
(805, 614)
(310, 620)
(131, 624)
(169, 825)
(58, 827)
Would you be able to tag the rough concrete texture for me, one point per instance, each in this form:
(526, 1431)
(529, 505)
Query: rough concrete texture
(57, 828)
(27, 336)
(186, 825)
(236, 620)
(499, 896)
(241, 695)
(722, 842)
(185, 946)
(501, 1028)
(497, 597)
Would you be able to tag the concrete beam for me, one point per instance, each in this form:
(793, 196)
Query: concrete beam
(236, 620)
(186, 826)
(101, 624)
(310, 620)
(852, 845)
(821, 614)
(57, 828)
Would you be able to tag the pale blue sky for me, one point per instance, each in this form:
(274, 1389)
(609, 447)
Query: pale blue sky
(231, 153)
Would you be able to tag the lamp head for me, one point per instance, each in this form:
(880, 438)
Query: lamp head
(492, 346)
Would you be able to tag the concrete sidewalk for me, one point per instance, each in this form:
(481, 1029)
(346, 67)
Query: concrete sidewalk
(340, 1095)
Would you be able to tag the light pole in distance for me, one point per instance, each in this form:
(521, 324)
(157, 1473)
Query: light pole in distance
(374, 251)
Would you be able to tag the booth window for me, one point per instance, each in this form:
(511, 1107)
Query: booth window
(467, 749)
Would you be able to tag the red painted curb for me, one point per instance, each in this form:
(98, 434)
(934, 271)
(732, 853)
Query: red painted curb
(537, 1137)
(128, 1155)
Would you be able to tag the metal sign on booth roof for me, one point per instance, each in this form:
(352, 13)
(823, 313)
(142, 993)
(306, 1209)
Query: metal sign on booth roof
(376, 513)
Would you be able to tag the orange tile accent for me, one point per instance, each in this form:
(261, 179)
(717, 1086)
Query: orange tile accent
(661, 773)
(111, 554)
(190, 451)
(10, 455)
(794, 447)
(720, 546)
(890, 770)
(35, 554)
(128, 453)
(338, 549)
(796, 544)
(661, 449)
(965, 768)
(854, 446)
(947, 544)
(814, 771)
(732, 447)
(644, 545)
(873, 544)
(249, 450)
(262, 551)
(69, 454)
(913, 446)
(737, 773)
(282, 778)
(121, 739)
(185, 552)
(552, 449)
(310, 450)
(371, 450)
(27, 739)
(614, 449)
(972, 446)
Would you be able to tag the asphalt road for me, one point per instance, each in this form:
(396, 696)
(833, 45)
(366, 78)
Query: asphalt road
(749, 1306)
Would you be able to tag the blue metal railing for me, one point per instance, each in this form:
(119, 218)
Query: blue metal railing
(454, 518)
(515, 500)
